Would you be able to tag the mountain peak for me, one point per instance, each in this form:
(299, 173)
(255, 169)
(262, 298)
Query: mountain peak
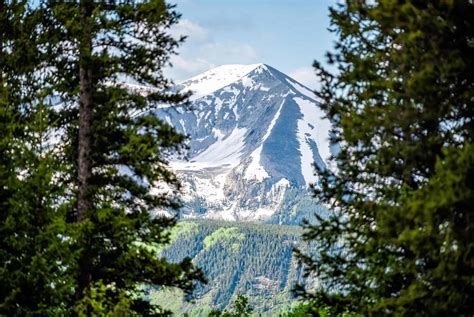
(217, 78)
(254, 135)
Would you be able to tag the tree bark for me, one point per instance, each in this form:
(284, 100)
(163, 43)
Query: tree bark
(84, 203)
(85, 115)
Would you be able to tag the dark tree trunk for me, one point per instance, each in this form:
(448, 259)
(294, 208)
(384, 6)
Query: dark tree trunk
(85, 117)
(84, 203)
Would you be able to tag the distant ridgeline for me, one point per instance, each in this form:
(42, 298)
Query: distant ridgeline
(238, 258)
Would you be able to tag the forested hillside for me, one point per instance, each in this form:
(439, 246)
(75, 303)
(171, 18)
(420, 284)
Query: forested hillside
(347, 188)
(237, 258)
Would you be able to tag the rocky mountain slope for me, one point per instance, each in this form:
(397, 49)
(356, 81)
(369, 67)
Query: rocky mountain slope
(254, 135)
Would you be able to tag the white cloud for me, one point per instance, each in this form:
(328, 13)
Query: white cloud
(194, 32)
(184, 68)
(201, 52)
(306, 76)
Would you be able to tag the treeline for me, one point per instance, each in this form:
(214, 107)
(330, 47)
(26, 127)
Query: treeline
(253, 260)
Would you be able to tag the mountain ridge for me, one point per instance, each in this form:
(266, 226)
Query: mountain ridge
(254, 134)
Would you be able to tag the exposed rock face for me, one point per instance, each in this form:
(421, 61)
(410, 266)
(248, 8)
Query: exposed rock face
(254, 135)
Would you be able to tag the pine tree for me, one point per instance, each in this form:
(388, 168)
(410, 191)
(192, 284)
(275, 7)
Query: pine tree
(241, 308)
(34, 257)
(400, 238)
(115, 147)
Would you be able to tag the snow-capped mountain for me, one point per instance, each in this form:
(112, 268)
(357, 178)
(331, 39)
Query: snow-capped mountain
(254, 135)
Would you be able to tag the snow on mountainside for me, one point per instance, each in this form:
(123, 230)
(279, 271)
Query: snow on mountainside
(254, 135)
(215, 79)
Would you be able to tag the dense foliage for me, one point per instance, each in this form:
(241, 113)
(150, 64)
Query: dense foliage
(80, 154)
(241, 309)
(254, 260)
(400, 239)
(33, 255)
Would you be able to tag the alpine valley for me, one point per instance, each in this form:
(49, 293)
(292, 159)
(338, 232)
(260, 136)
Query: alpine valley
(254, 135)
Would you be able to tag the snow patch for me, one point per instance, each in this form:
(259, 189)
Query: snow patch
(211, 188)
(282, 183)
(248, 82)
(260, 214)
(218, 103)
(255, 170)
(232, 90)
(218, 133)
(301, 89)
(183, 126)
(312, 116)
(225, 151)
(216, 78)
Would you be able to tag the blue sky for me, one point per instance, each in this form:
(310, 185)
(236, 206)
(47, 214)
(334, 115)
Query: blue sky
(285, 34)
